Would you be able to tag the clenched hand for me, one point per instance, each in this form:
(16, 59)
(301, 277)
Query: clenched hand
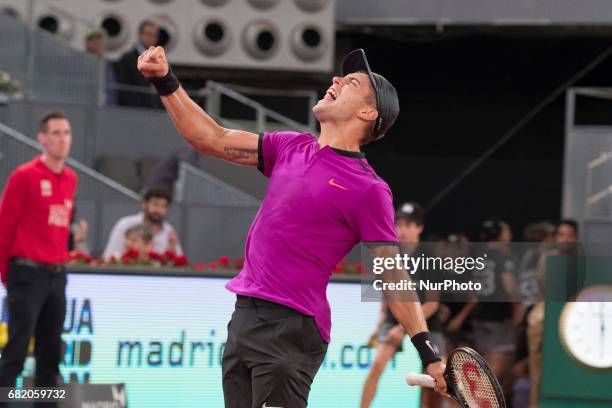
(153, 63)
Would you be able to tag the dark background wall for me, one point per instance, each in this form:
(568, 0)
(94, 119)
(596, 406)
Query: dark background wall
(459, 93)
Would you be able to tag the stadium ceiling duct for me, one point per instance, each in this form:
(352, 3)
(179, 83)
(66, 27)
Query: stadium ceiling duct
(309, 42)
(260, 39)
(279, 35)
(56, 23)
(168, 31)
(116, 28)
(13, 8)
(10, 11)
(212, 36)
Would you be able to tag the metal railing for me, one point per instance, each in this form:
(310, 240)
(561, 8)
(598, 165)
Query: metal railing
(50, 70)
(215, 91)
(197, 187)
(588, 162)
(99, 200)
(597, 165)
(592, 199)
(28, 148)
(310, 95)
(211, 217)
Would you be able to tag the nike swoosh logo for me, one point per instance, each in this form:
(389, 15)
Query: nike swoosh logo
(332, 182)
(430, 346)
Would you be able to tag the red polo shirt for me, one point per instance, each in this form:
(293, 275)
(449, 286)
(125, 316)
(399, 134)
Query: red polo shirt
(35, 214)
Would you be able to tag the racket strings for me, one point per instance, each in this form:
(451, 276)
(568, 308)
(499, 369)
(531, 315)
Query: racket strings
(473, 382)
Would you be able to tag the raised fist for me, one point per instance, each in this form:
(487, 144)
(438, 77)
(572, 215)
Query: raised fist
(153, 63)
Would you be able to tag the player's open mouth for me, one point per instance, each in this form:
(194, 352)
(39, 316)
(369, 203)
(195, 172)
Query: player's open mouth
(330, 95)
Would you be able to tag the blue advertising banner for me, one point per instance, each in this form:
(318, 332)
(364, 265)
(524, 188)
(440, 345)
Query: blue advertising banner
(163, 337)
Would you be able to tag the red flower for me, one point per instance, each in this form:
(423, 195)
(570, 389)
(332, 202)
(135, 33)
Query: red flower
(199, 266)
(126, 259)
(239, 263)
(213, 265)
(169, 255)
(131, 253)
(359, 267)
(79, 256)
(181, 261)
(113, 260)
(224, 261)
(339, 268)
(156, 256)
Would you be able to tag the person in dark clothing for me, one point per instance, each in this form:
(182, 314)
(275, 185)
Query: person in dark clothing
(389, 335)
(455, 307)
(541, 235)
(498, 310)
(566, 243)
(77, 239)
(128, 74)
(166, 173)
(95, 45)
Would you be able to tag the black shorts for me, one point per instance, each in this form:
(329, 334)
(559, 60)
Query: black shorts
(271, 356)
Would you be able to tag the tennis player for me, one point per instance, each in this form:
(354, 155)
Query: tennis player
(323, 198)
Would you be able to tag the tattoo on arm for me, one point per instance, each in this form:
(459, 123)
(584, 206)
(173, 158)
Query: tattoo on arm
(240, 153)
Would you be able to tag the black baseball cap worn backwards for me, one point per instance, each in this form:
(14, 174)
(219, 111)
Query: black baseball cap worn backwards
(387, 102)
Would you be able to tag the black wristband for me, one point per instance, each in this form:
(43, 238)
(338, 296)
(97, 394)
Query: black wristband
(166, 85)
(422, 342)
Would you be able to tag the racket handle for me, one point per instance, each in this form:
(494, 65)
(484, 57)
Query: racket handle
(421, 380)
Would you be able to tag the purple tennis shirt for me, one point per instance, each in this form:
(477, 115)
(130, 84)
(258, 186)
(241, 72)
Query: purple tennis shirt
(320, 203)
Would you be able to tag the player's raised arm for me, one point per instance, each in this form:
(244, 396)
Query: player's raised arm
(195, 125)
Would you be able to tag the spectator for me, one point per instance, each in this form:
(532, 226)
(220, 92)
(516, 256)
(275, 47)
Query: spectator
(35, 213)
(455, 309)
(94, 44)
(77, 240)
(567, 232)
(497, 311)
(155, 207)
(140, 238)
(166, 173)
(389, 335)
(128, 74)
(565, 237)
(79, 236)
(539, 236)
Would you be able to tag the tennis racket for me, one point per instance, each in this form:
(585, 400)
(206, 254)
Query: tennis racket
(469, 380)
